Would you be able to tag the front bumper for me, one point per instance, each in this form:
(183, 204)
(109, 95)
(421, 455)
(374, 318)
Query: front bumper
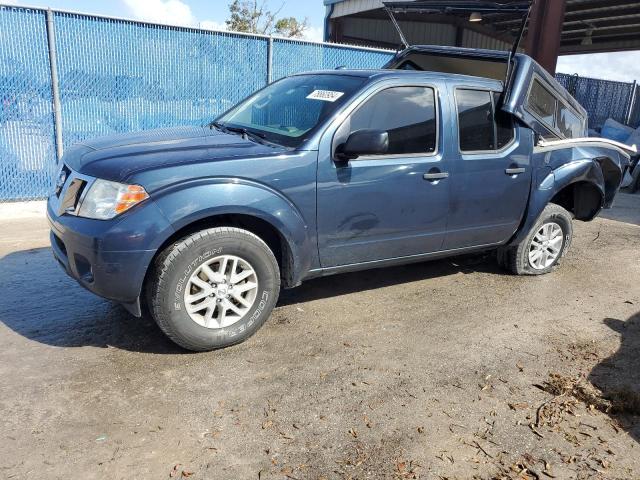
(109, 258)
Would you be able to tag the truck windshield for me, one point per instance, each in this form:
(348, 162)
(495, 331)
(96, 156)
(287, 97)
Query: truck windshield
(286, 111)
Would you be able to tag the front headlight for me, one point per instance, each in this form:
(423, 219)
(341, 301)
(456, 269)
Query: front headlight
(105, 199)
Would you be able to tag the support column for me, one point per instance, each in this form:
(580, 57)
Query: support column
(545, 33)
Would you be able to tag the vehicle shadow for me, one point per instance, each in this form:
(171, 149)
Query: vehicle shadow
(346, 283)
(42, 304)
(618, 377)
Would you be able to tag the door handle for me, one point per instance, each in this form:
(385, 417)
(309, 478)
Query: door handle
(436, 176)
(515, 171)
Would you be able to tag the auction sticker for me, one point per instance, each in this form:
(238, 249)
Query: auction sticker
(325, 95)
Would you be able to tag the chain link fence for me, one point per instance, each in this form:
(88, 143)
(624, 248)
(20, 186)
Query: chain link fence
(603, 99)
(27, 143)
(115, 75)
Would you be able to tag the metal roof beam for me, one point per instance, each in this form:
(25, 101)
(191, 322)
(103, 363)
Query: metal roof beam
(591, 14)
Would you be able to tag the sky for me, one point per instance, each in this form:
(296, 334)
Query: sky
(211, 14)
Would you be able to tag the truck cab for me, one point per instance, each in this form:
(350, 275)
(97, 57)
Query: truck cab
(327, 172)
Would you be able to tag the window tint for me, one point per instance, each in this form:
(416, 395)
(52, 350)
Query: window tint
(542, 102)
(475, 120)
(408, 114)
(504, 125)
(569, 124)
(481, 125)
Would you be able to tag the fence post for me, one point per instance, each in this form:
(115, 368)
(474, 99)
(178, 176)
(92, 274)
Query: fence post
(270, 60)
(55, 88)
(632, 102)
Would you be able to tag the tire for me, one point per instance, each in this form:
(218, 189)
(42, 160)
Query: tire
(195, 322)
(522, 259)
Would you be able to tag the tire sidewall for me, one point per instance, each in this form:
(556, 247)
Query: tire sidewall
(561, 218)
(186, 262)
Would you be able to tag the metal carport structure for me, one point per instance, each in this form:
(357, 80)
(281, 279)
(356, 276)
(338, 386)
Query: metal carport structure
(556, 27)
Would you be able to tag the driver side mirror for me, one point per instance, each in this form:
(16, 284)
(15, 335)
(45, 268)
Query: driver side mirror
(363, 142)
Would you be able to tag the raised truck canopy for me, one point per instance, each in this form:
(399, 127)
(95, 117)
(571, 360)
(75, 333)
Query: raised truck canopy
(530, 93)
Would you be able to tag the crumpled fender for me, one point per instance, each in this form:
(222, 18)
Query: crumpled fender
(188, 203)
(565, 164)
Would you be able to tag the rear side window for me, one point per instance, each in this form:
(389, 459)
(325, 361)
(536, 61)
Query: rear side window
(408, 114)
(542, 102)
(481, 125)
(554, 113)
(569, 124)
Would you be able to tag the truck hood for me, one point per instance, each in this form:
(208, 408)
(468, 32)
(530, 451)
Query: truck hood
(117, 157)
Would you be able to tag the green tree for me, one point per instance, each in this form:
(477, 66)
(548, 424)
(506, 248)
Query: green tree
(291, 27)
(253, 16)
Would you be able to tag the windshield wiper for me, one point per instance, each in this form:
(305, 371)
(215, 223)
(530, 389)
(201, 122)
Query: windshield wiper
(243, 131)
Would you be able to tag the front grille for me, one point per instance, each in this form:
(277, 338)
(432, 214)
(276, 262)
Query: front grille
(72, 194)
(69, 190)
(63, 177)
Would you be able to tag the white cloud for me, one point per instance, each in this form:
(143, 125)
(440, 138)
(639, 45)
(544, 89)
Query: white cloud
(170, 12)
(177, 12)
(212, 25)
(621, 66)
(174, 12)
(315, 34)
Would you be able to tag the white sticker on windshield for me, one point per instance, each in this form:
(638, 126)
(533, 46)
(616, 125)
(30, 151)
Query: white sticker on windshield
(325, 95)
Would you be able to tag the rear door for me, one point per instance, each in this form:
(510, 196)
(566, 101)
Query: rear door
(490, 171)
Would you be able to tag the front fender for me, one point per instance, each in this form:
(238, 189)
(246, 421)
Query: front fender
(187, 203)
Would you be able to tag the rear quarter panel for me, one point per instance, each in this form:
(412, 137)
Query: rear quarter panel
(559, 166)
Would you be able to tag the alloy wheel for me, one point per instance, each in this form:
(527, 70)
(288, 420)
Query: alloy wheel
(221, 291)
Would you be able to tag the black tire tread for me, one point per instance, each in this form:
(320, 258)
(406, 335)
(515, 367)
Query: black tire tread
(164, 262)
(513, 258)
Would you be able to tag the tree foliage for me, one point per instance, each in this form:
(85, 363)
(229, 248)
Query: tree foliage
(253, 16)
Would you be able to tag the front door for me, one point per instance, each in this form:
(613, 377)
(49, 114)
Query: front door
(392, 205)
(490, 173)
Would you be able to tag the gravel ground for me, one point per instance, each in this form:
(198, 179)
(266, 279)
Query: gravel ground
(449, 369)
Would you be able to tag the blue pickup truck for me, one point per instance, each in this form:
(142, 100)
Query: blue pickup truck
(328, 172)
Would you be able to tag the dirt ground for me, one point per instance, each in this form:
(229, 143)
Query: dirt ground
(440, 370)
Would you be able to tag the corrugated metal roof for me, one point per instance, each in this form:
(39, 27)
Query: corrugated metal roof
(589, 25)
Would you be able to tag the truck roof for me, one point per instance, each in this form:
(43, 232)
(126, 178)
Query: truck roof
(386, 73)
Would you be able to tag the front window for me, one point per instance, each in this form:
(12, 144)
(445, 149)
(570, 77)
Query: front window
(286, 112)
(407, 114)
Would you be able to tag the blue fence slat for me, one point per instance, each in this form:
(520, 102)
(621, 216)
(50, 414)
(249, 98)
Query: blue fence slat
(119, 76)
(27, 152)
(290, 56)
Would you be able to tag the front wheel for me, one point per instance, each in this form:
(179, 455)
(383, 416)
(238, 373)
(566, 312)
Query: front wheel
(214, 288)
(545, 245)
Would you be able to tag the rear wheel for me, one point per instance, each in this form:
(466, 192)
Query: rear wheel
(541, 251)
(214, 288)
